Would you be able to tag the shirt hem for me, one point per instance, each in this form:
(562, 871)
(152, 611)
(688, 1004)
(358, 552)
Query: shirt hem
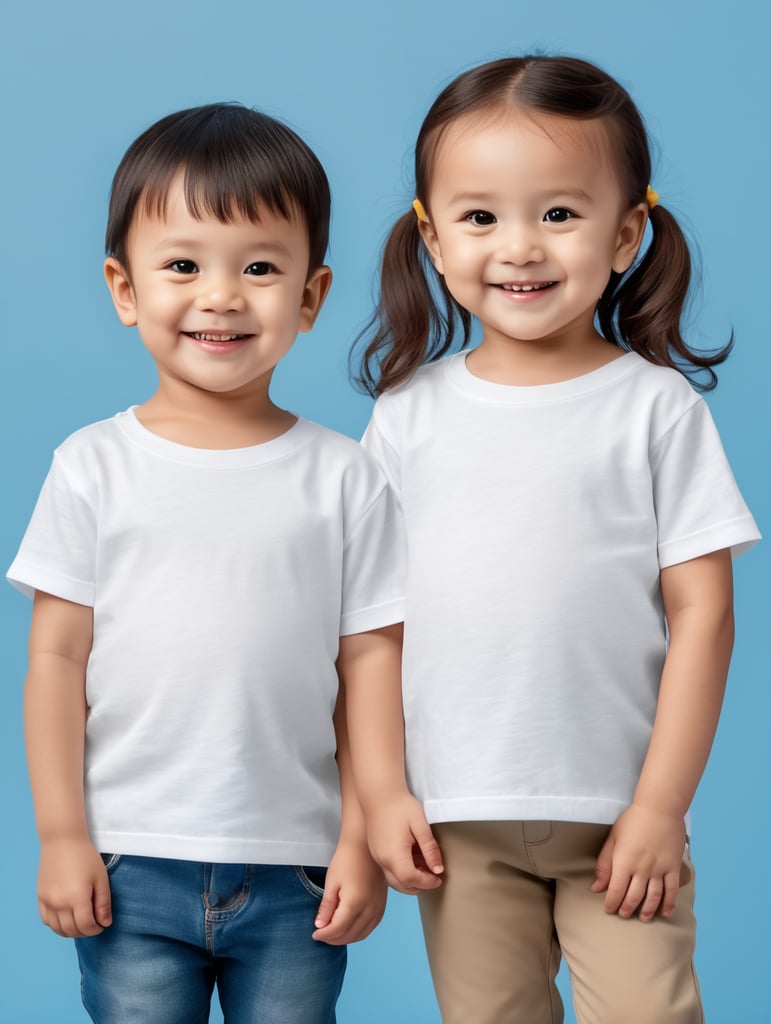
(599, 811)
(213, 850)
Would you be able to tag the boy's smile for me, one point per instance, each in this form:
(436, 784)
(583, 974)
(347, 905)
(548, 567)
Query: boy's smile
(217, 305)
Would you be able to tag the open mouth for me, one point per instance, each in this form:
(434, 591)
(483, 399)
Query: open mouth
(205, 336)
(535, 286)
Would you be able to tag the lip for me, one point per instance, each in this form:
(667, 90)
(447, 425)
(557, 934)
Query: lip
(525, 291)
(525, 286)
(218, 341)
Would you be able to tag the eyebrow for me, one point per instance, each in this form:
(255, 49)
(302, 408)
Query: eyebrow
(181, 242)
(484, 197)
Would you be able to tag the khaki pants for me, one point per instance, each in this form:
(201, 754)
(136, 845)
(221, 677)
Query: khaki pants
(515, 899)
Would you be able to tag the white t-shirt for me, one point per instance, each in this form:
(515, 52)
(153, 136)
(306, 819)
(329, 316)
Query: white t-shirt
(537, 522)
(221, 582)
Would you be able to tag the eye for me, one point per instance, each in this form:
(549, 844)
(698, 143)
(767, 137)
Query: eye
(183, 267)
(558, 215)
(260, 269)
(482, 218)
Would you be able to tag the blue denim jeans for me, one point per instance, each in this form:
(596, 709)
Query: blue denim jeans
(181, 927)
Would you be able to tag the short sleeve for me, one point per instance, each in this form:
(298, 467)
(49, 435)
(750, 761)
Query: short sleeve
(58, 551)
(374, 568)
(699, 508)
(382, 450)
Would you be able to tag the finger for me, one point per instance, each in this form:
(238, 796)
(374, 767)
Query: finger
(634, 896)
(103, 902)
(652, 899)
(84, 922)
(671, 889)
(327, 908)
(603, 868)
(426, 852)
(409, 879)
(616, 890)
(336, 928)
(65, 924)
(363, 926)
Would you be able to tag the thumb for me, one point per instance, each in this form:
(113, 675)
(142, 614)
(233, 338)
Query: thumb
(603, 867)
(429, 849)
(327, 907)
(102, 902)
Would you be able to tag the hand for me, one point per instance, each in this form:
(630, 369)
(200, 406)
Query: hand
(354, 897)
(73, 889)
(638, 868)
(403, 844)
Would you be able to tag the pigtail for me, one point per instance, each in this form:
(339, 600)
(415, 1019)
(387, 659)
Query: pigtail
(643, 310)
(416, 318)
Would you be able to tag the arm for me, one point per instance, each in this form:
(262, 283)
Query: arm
(399, 835)
(355, 890)
(639, 866)
(73, 891)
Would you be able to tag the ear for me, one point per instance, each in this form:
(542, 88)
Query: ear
(121, 290)
(431, 242)
(630, 235)
(314, 293)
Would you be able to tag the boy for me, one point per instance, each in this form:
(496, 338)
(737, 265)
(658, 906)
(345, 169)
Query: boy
(199, 563)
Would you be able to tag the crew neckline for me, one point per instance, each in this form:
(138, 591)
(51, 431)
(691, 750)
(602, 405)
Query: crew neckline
(212, 458)
(465, 381)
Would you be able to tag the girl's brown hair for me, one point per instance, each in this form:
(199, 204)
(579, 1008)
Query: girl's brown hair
(417, 319)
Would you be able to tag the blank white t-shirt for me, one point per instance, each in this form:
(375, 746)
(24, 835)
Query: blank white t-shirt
(537, 522)
(221, 582)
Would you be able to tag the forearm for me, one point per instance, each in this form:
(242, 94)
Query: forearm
(55, 716)
(54, 730)
(352, 826)
(369, 668)
(698, 598)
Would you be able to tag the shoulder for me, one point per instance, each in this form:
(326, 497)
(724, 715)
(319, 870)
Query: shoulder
(425, 380)
(397, 412)
(92, 437)
(339, 457)
(660, 393)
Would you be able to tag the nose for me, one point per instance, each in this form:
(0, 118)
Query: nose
(520, 244)
(220, 293)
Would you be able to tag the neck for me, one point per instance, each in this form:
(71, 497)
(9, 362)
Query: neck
(206, 419)
(504, 360)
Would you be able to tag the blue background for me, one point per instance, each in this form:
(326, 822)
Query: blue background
(81, 80)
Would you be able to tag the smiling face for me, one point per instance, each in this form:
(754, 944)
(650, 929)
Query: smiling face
(217, 304)
(526, 222)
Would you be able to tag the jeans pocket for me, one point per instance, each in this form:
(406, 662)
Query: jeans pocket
(110, 860)
(312, 878)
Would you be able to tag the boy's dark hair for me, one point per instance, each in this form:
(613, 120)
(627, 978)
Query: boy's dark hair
(417, 318)
(234, 160)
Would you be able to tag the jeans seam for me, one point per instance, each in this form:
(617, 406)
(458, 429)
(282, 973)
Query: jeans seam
(219, 915)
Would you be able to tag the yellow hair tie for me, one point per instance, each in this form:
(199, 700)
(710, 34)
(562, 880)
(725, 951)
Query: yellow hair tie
(420, 210)
(651, 196)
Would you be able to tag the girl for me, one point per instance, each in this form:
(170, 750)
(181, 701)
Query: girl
(570, 519)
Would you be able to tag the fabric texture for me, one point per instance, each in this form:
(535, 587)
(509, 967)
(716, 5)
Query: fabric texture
(221, 582)
(516, 898)
(538, 520)
(180, 928)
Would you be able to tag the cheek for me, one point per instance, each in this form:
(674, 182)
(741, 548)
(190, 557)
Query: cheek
(461, 261)
(159, 303)
(280, 307)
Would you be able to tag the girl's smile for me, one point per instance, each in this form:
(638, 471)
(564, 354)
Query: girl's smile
(526, 222)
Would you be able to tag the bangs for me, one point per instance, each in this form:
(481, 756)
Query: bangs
(234, 161)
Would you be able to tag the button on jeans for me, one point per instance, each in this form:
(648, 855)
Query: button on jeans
(181, 927)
